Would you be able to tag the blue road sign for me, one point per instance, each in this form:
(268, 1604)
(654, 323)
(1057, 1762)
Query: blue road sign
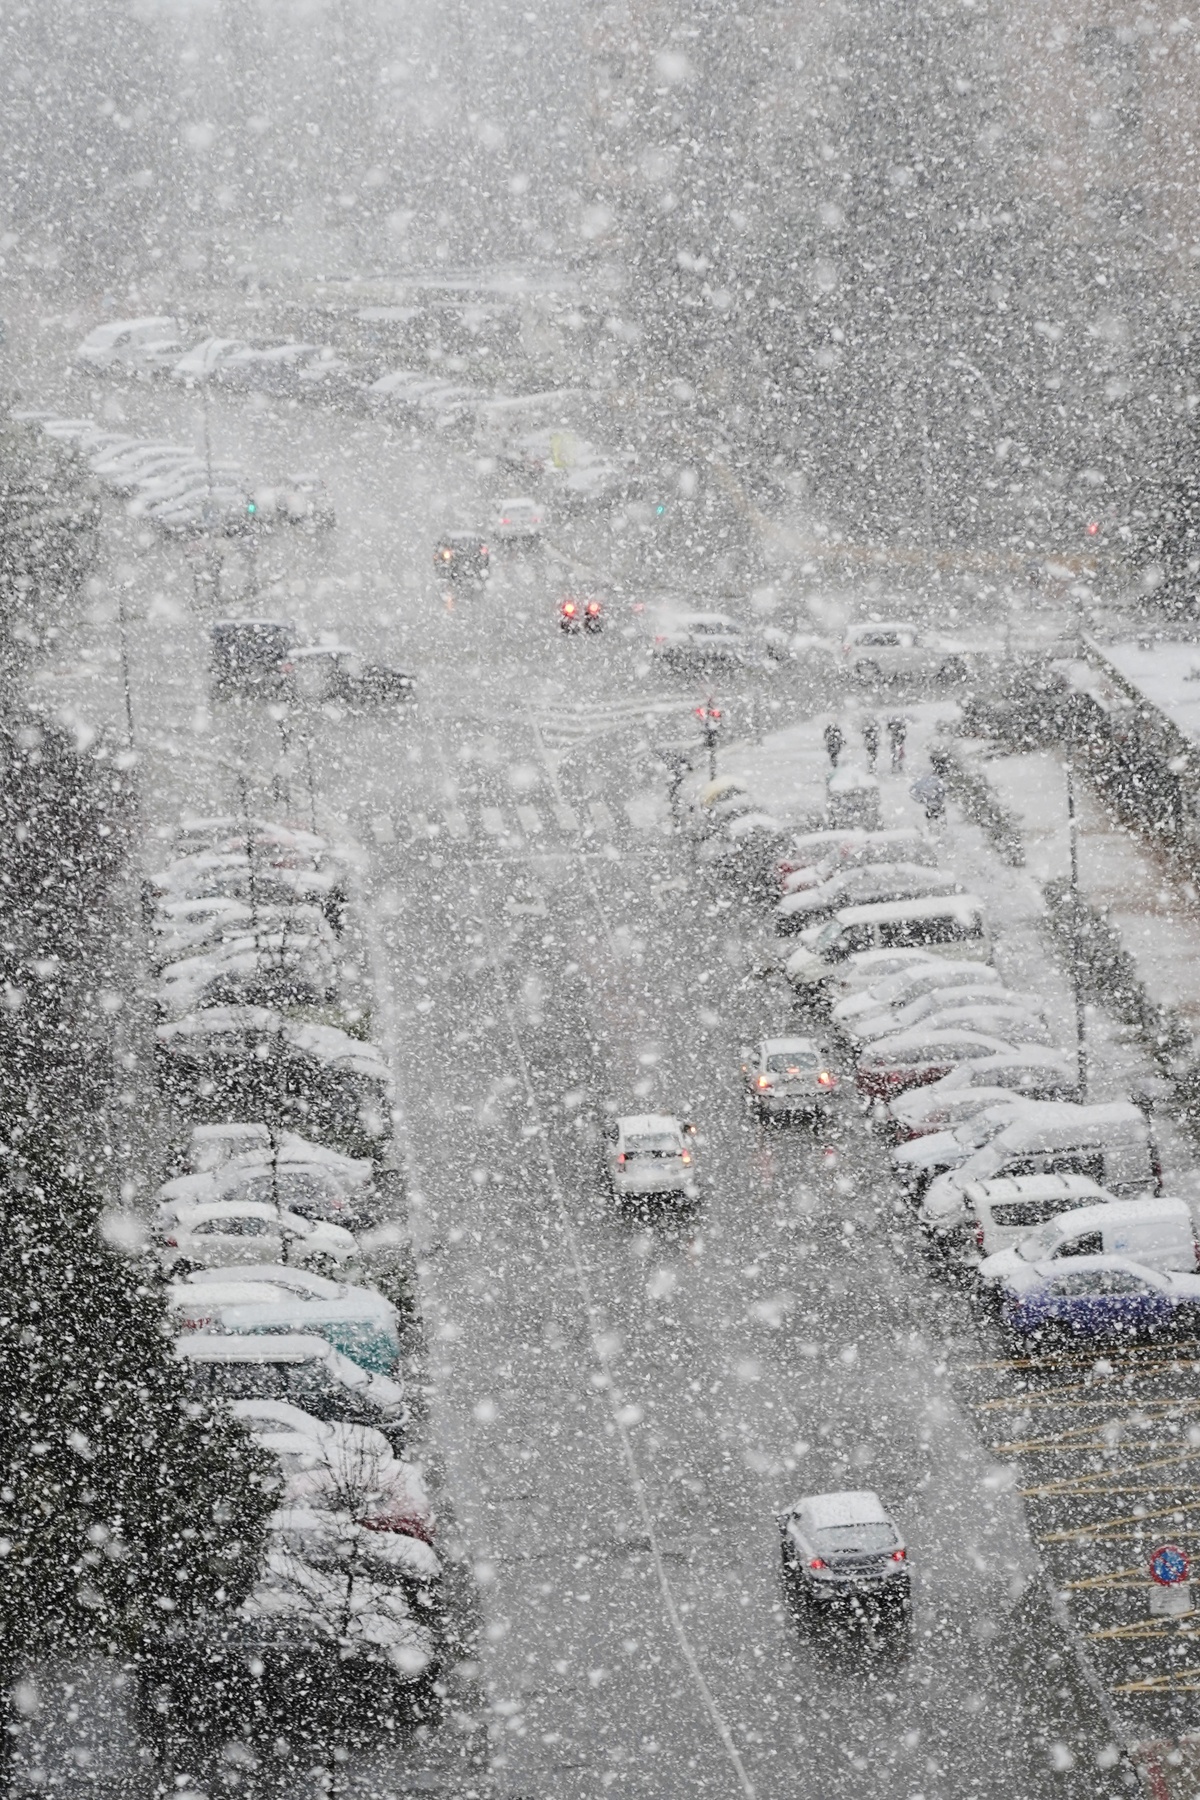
(1169, 1565)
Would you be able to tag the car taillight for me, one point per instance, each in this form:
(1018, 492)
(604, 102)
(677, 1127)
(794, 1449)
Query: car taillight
(685, 1156)
(621, 1157)
(764, 1081)
(826, 1079)
(173, 1242)
(569, 609)
(817, 1562)
(592, 609)
(483, 550)
(979, 1234)
(899, 1555)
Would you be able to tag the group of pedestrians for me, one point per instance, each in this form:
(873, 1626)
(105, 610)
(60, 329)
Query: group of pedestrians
(929, 789)
(897, 731)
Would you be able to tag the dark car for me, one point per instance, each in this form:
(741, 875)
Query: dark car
(461, 556)
(251, 656)
(336, 672)
(844, 1548)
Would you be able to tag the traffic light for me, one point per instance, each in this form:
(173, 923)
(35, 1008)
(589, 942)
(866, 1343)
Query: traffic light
(660, 509)
(1093, 528)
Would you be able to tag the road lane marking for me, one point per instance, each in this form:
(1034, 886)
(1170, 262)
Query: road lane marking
(613, 1397)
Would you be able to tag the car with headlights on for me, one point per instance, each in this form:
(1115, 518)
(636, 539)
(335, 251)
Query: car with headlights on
(648, 1154)
(844, 1550)
(784, 1076)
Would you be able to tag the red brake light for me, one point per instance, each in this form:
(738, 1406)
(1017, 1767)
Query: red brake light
(621, 1157)
(685, 1156)
(899, 1555)
(173, 1242)
(979, 1234)
(825, 1079)
(817, 1562)
(592, 608)
(569, 609)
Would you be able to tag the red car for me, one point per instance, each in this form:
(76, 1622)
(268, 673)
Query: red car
(915, 1058)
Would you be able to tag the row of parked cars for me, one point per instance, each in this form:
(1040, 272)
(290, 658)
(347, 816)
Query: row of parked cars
(181, 492)
(154, 347)
(1055, 1206)
(271, 1231)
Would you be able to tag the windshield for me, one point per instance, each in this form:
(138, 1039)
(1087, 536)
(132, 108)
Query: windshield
(653, 1143)
(1039, 1245)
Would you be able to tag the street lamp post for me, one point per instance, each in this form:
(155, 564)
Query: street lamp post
(1076, 934)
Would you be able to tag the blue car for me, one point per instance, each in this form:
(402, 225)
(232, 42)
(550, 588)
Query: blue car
(1099, 1297)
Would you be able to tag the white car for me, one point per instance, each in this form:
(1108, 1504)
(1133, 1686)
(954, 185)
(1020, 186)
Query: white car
(909, 983)
(691, 639)
(114, 346)
(226, 1232)
(889, 650)
(782, 1076)
(650, 1153)
(201, 361)
(939, 1004)
(929, 1111)
(518, 521)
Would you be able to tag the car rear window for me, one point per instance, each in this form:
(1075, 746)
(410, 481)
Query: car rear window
(872, 1537)
(792, 1063)
(658, 1143)
(1033, 1212)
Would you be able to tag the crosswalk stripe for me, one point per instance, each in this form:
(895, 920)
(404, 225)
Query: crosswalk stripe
(646, 814)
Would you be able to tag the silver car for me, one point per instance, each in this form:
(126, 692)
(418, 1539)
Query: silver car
(782, 1076)
(650, 1153)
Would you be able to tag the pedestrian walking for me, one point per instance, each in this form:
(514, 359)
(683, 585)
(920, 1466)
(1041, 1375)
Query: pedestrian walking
(897, 730)
(930, 790)
(834, 741)
(870, 733)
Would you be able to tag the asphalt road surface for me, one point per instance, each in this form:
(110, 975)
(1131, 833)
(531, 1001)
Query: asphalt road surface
(620, 1403)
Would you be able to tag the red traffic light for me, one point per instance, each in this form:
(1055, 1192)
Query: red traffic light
(1093, 528)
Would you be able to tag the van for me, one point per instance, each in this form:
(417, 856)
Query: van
(940, 925)
(1112, 1145)
(1157, 1233)
(1007, 1210)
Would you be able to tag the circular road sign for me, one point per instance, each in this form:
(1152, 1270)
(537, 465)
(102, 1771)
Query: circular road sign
(1169, 1565)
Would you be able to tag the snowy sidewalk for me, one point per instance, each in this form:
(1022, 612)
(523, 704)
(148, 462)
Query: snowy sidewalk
(787, 772)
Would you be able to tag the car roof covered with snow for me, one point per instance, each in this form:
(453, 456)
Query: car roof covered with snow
(853, 1506)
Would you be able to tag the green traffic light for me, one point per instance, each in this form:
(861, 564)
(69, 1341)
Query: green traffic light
(660, 509)
(251, 507)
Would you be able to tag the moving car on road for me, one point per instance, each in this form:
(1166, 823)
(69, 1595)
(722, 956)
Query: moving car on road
(461, 556)
(782, 1076)
(699, 640)
(844, 1549)
(580, 612)
(519, 521)
(321, 672)
(650, 1153)
(895, 649)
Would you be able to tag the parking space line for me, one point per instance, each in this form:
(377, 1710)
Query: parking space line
(1176, 1681)
(1123, 1525)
